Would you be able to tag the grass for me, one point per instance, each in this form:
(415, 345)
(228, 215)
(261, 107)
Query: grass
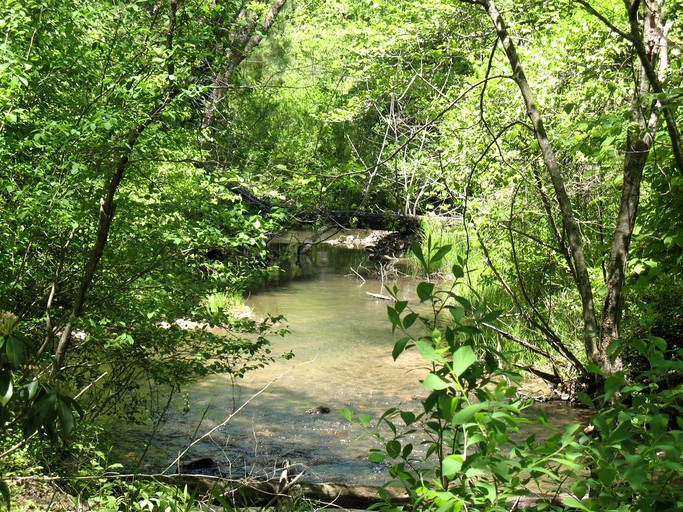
(481, 287)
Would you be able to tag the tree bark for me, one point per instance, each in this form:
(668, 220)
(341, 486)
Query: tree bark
(105, 216)
(649, 42)
(242, 43)
(650, 39)
(577, 261)
(639, 145)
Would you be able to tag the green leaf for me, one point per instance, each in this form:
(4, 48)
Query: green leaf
(440, 253)
(399, 347)
(417, 251)
(376, 456)
(607, 476)
(409, 320)
(347, 414)
(28, 391)
(463, 358)
(433, 381)
(659, 424)
(44, 412)
(394, 317)
(364, 419)
(408, 417)
(466, 414)
(6, 387)
(424, 291)
(65, 415)
(585, 400)
(458, 271)
(573, 503)
(452, 465)
(612, 385)
(16, 351)
(489, 489)
(458, 313)
(428, 353)
(393, 448)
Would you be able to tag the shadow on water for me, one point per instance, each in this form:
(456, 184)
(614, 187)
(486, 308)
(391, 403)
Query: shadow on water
(342, 341)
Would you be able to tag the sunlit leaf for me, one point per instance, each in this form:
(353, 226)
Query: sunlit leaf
(463, 358)
(433, 381)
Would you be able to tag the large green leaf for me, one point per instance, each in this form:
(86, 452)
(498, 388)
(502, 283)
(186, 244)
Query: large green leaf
(416, 248)
(463, 358)
(433, 381)
(466, 414)
(43, 413)
(400, 346)
(425, 291)
(428, 352)
(6, 387)
(16, 351)
(440, 253)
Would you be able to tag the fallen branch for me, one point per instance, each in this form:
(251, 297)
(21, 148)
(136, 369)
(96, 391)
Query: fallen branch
(254, 492)
(381, 297)
(176, 461)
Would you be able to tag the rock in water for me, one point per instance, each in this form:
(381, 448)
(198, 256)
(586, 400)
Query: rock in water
(319, 410)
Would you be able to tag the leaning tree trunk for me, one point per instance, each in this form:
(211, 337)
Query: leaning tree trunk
(652, 36)
(104, 220)
(577, 260)
(639, 144)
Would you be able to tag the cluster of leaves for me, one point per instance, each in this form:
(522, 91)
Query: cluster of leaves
(635, 437)
(465, 450)
(116, 226)
(24, 401)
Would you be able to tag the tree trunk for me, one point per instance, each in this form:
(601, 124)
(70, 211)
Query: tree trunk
(105, 216)
(242, 43)
(577, 260)
(639, 144)
(652, 49)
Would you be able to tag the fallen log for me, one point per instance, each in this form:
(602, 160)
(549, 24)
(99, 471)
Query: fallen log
(254, 492)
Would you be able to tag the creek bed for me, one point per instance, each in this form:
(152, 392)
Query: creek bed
(342, 341)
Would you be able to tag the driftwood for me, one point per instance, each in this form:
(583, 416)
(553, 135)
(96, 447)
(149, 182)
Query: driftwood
(254, 492)
(381, 297)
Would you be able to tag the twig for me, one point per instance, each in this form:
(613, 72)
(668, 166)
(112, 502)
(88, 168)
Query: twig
(229, 418)
(359, 276)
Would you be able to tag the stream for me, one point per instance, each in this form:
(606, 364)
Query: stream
(342, 342)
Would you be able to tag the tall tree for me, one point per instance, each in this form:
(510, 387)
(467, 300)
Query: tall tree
(601, 333)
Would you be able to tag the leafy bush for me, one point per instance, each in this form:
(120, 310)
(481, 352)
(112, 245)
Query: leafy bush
(634, 443)
(462, 451)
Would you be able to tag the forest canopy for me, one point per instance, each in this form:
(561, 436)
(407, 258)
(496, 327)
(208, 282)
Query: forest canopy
(151, 148)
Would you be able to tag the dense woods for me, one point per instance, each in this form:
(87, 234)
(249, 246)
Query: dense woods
(150, 150)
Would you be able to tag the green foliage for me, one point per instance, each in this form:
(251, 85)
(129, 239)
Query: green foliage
(99, 105)
(142, 496)
(634, 444)
(26, 404)
(463, 451)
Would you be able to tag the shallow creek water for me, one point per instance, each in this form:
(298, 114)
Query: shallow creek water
(342, 343)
